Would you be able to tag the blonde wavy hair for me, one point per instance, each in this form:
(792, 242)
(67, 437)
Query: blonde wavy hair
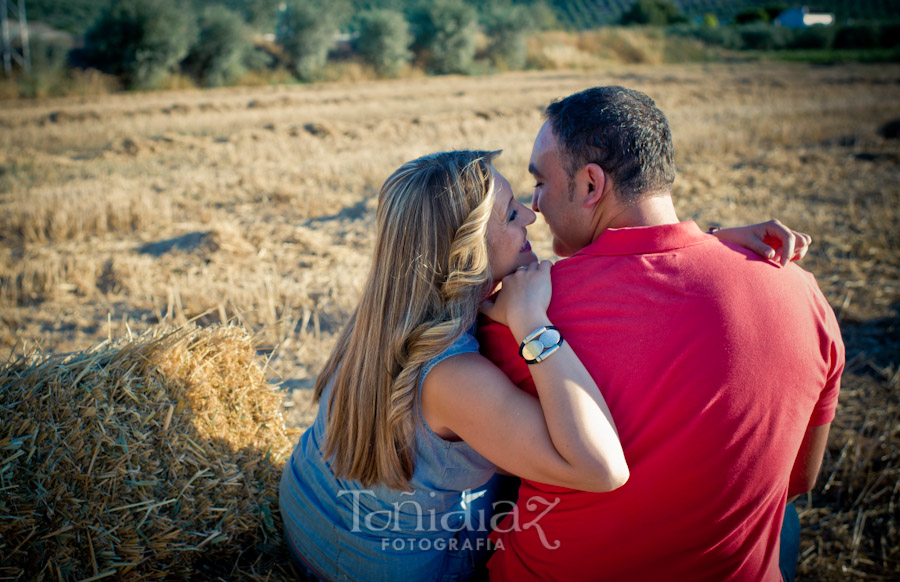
(429, 272)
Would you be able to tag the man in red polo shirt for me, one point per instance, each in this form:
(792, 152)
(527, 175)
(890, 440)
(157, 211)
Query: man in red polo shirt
(721, 369)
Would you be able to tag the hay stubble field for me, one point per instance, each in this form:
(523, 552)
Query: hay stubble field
(255, 206)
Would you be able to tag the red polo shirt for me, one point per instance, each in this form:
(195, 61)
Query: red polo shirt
(713, 362)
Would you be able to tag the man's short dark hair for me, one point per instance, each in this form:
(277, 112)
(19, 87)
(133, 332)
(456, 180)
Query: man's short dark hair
(620, 130)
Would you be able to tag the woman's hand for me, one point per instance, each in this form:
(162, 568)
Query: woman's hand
(523, 298)
(771, 240)
(565, 437)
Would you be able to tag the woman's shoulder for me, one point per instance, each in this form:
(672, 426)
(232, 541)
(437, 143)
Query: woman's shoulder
(467, 342)
(464, 344)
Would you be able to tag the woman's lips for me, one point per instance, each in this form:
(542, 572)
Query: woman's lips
(526, 248)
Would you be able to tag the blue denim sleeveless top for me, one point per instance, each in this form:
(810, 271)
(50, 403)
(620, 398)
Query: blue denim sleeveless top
(436, 531)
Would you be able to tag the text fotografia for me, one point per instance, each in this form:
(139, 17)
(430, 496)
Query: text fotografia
(440, 544)
(407, 517)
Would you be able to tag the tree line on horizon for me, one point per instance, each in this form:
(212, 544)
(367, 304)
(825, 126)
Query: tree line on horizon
(76, 16)
(216, 42)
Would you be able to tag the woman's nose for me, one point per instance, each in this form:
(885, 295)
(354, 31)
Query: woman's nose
(528, 215)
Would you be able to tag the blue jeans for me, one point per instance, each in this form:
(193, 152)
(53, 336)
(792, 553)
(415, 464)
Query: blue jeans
(790, 544)
(306, 574)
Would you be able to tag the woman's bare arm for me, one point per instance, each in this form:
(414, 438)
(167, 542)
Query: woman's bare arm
(568, 438)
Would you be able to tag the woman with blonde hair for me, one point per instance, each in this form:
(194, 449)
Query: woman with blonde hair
(395, 480)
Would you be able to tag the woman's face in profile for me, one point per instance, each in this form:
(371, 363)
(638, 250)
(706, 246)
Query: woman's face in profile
(507, 238)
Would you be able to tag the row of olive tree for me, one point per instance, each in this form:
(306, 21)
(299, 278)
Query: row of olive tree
(143, 41)
(440, 36)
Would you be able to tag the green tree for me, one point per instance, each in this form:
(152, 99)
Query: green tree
(889, 36)
(48, 69)
(812, 37)
(217, 58)
(258, 14)
(751, 15)
(445, 33)
(773, 11)
(543, 16)
(759, 36)
(864, 35)
(507, 27)
(306, 31)
(74, 16)
(140, 40)
(653, 12)
(384, 40)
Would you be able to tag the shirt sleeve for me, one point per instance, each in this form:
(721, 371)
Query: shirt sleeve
(498, 345)
(834, 354)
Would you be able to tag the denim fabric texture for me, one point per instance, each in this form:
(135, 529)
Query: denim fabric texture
(790, 544)
(436, 531)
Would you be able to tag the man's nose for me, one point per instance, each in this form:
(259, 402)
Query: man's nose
(534, 202)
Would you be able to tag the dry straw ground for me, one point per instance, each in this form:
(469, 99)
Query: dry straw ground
(255, 205)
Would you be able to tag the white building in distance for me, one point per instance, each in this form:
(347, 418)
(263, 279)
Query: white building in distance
(802, 18)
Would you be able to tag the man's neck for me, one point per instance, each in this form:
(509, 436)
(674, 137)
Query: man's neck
(651, 211)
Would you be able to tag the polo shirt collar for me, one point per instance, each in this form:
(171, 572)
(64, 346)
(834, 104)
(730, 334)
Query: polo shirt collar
(645, 239)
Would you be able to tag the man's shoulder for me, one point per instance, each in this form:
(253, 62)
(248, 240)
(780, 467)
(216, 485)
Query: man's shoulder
(711, 267)
(579, 263)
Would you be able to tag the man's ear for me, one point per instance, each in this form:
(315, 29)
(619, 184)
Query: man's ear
(596, 182)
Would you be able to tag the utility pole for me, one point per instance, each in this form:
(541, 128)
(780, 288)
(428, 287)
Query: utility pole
(10, 32)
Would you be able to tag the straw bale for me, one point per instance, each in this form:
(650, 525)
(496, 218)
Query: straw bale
(157, 458)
